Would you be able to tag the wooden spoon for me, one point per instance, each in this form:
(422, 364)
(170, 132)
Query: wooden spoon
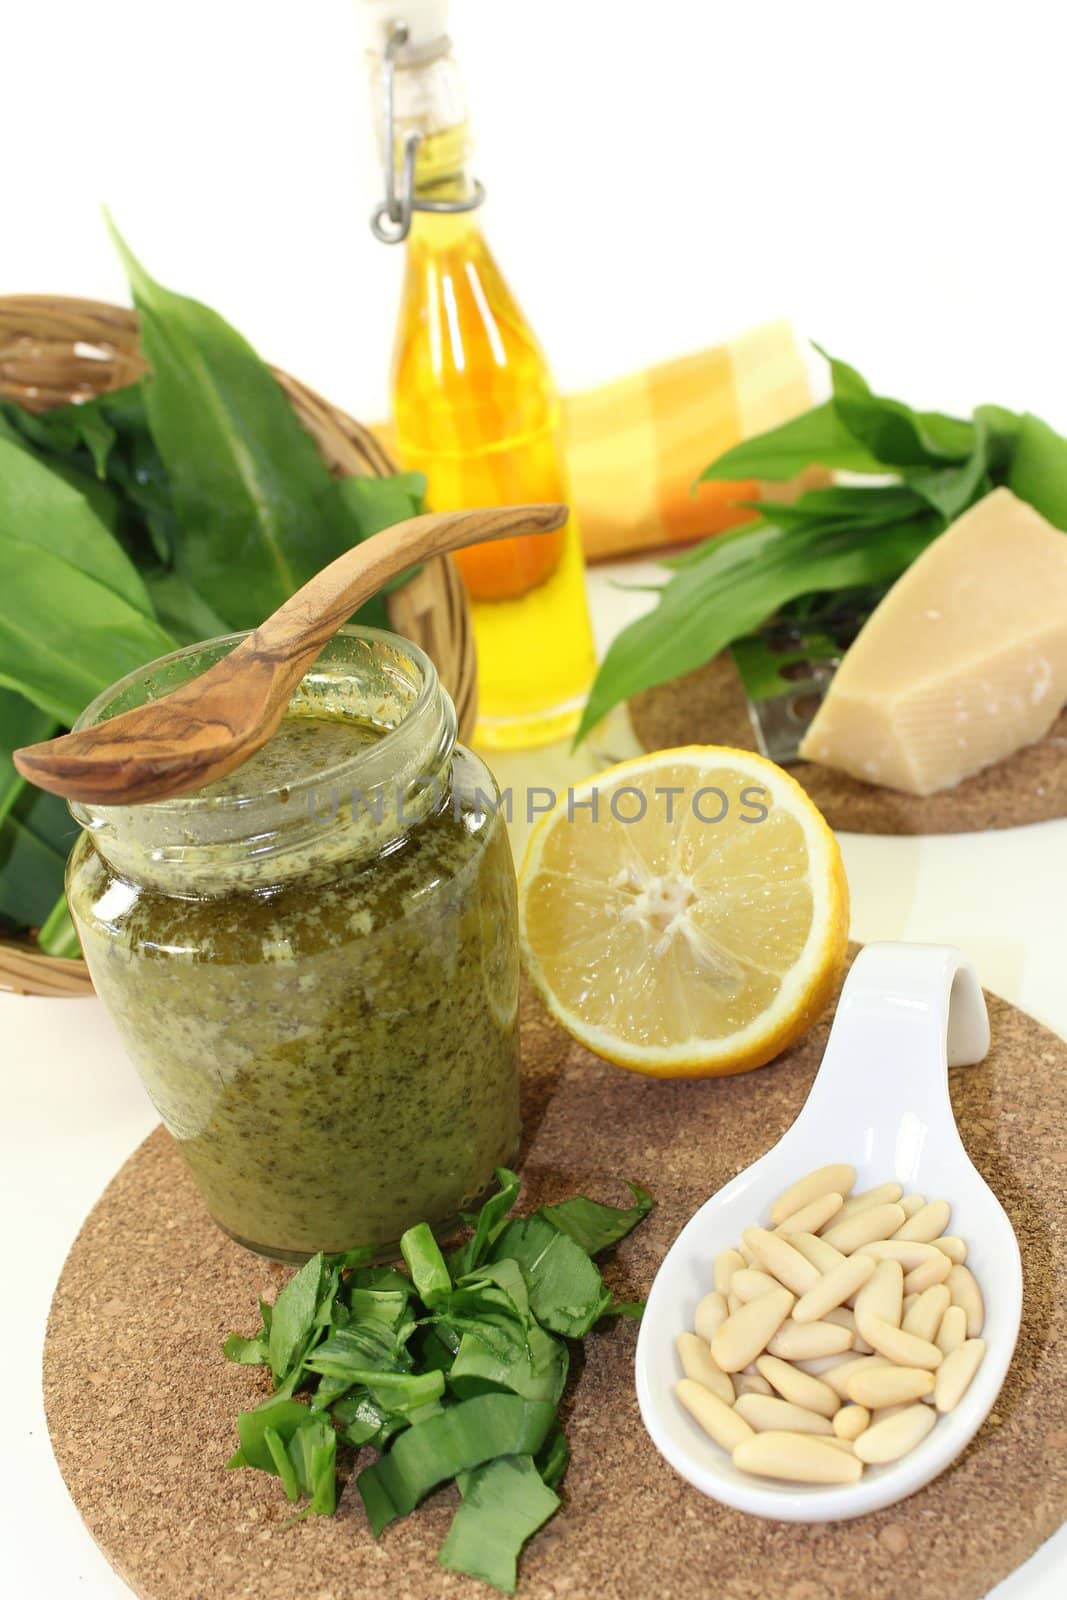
(204, 729)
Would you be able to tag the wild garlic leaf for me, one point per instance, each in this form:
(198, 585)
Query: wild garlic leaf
(284, 1416)
(504, 1503)
(454, 1439)
(817, 437)
(293, 1318)
(426, 1264)
(40, 511)
(250, 492)
(595, 1226)
(1039, 469)
(487, 1224)
(531, 1363)
(567, 1293)
(246, 1352)
(895, 435)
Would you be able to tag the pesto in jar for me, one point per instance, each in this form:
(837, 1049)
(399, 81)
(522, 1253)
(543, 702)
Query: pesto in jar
(332, 1037)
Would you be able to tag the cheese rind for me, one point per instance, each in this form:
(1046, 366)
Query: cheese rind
(962, 663)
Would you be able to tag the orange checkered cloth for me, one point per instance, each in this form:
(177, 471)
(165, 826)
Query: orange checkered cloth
(636, 445)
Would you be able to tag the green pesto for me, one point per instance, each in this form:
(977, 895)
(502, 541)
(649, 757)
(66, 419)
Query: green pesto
(337, 1055)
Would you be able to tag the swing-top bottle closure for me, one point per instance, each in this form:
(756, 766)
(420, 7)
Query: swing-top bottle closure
(424, 139)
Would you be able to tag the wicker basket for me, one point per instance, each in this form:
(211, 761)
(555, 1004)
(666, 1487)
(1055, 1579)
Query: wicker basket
(53, 350)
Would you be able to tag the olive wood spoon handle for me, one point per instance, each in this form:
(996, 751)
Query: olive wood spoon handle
(207, 727)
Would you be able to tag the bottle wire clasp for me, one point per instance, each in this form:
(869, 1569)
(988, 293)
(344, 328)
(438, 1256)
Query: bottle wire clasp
(391, 219)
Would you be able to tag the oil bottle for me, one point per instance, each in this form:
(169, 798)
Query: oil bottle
(473, 401)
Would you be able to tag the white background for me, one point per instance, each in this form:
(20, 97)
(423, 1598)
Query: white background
(662, 175)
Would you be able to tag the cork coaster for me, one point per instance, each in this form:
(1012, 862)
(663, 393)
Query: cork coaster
(141, 1404)
(709, 707)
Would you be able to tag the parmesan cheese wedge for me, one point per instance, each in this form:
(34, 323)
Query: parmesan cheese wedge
(962, 663)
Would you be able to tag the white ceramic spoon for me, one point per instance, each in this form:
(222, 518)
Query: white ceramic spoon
(880, 1100)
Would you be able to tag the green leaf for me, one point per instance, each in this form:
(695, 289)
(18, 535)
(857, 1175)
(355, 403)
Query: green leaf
(450, 1442)
(57, 935)
(553, 1456)
(487, 1225)
(39, 510)
(504, 1503)
(21, 723)
(251, 493)
(293, 1318)
(426, 1263)
(594, 1226)
(817, 437)
(367, 1348)
(35, 840)
(180, 609)
(567, 1293)
(741, 579)
(283, 1416)
(63, 636)
(1039, 469)
(282, 1465)
(894, 434)
(312, 1451)
(531, 1363)
(246, 1352)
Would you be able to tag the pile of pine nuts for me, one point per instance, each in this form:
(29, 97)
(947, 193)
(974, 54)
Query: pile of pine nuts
(833, 1338)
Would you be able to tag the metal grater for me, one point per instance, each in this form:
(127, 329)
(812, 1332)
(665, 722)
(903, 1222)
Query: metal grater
(787, 666)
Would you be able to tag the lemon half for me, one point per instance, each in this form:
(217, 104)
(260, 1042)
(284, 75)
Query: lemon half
(685, 914)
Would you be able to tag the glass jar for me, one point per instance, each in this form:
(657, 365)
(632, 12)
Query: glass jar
(317, 978)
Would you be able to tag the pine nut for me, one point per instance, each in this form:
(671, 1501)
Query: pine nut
(965, 1292)
(953, 1330)
(927, 1273)
(929, 1222)
(749, 1282)
(909, 1301)
(819, 1366)
(711, 1313)
(726, 1264)
(954, 1248)
(733, 1303)
(699, 1365)
(797, 1460)
(903, 1349)
(798, 1387)
(842, 1317)
(835, 1179)
(910, 1203)
(882, 1296)
(804, 1341)
(851, 1421)
(764, 1412)
(834, 1288)
(911, 1253)
(719, 1421)
(750, 1383)
(881, 1194)
(746, 1334)
(955, 1374)
(815, 1215)
(873, 1222)
(832, 1440)
(746, 1255)
(838, 1378)
(893, 1437)
(889, 1386)
(924, 1317)
(779, 1258)
(822, 1256)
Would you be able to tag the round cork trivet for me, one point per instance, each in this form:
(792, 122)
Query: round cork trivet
(709, 707)
(141, 1404)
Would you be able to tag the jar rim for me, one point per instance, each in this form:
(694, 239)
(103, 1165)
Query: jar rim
(346, 770)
